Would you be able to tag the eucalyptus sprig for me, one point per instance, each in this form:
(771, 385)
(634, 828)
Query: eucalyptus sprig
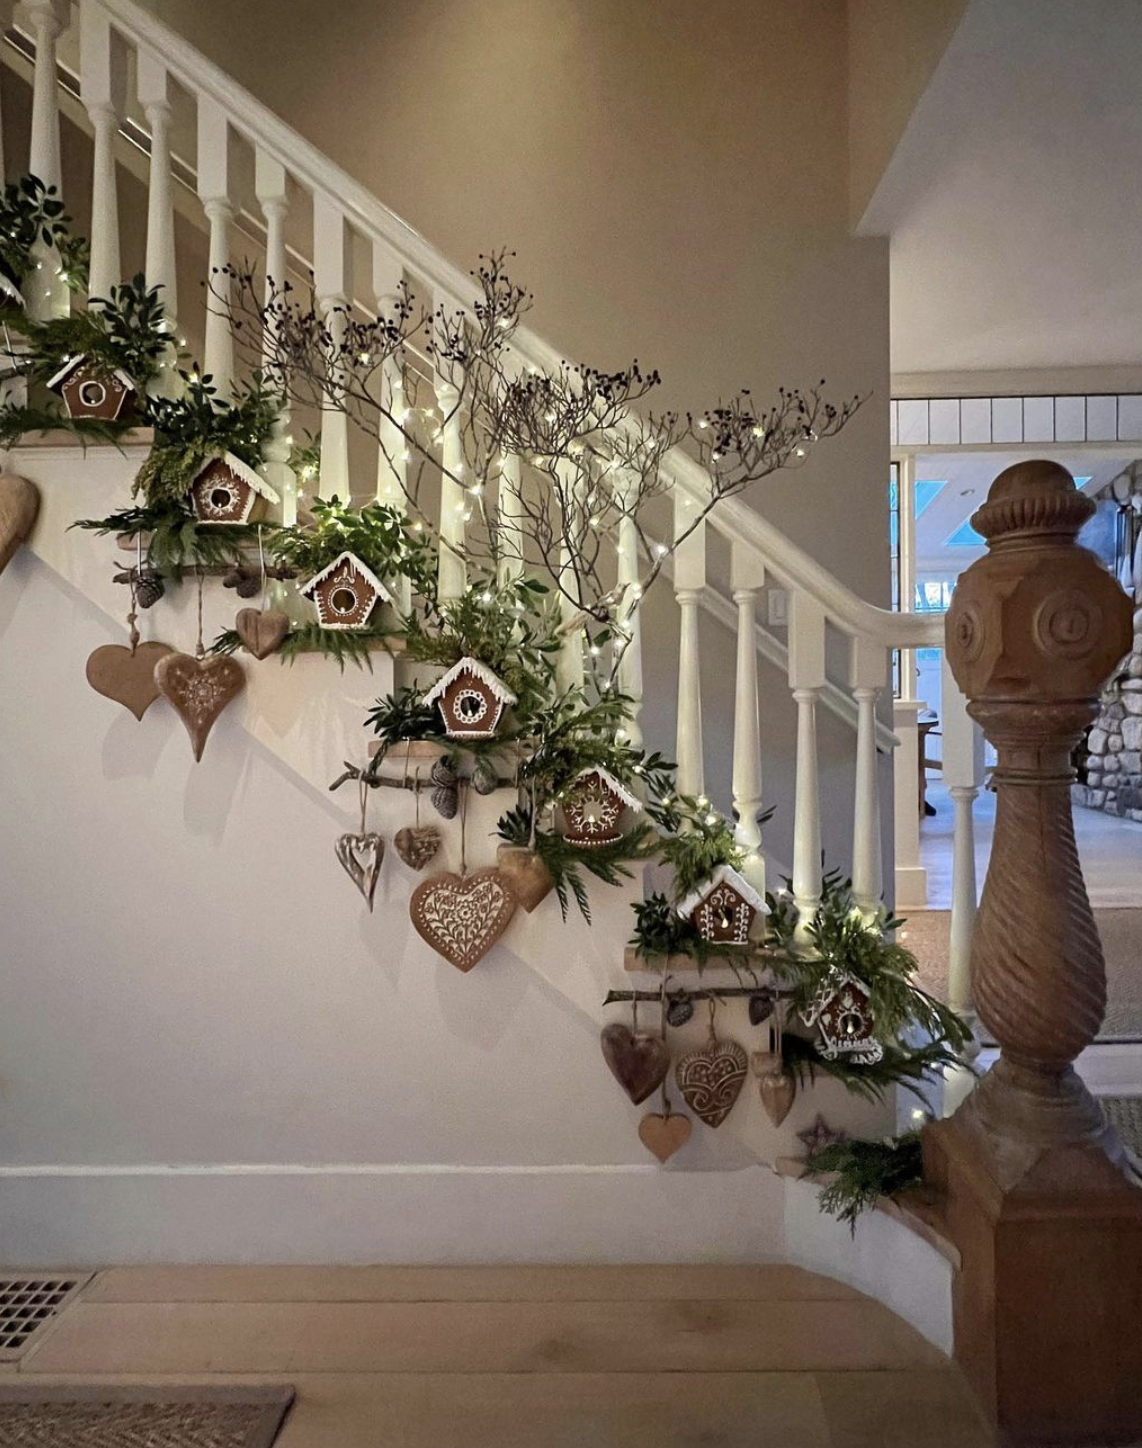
(379, 535)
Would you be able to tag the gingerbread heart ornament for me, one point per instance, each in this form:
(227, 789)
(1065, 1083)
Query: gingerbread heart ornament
(127, 675)
(199, 690)
(19, 507)
(664, 1135)
(261, 630)
(638, 1062)
(462, 916)
(711, 1079)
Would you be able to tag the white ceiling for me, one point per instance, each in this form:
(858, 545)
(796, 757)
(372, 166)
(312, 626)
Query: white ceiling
(1014, 202)
(967, 477)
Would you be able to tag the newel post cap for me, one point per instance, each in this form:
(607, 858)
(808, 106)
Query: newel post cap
(1038, 619)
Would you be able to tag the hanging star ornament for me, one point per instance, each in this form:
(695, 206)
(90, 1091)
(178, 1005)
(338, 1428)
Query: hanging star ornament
(818, 1136)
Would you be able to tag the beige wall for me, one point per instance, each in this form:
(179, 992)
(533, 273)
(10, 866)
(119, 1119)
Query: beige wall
(894, 48)
(672, 175)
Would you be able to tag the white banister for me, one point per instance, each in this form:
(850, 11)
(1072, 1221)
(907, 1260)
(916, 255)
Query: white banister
(152, 84)
(102, 87)
(214, 193)
(331, 271)
(911, 877)
(868, 676)
(509, 507)
(628, 622)
(46, 291)
(689, 581)
(747, 575)
(452, 569)
(962, 769)
(806, 679)
(270, 187)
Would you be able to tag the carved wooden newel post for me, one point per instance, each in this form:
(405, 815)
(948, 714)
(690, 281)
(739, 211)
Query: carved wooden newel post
(1038, 1196)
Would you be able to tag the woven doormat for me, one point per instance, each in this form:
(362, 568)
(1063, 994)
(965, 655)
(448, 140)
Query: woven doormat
(99, 1417)
(1125, 1114)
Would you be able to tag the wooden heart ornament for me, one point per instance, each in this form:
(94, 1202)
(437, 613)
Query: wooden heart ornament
(462, 916)
(199, 690)
(711, 1078)
(664, 1135)
(19, 507)
(126, 675)
(638, 1062)
(360, 857)
(531, 879)
(417, 845)
(262, 630)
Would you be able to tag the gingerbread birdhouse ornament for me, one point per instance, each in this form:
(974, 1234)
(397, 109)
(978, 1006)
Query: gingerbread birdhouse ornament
(345, 593)
(90, 389)
(227, 490)
(723, 908)
(471, 700)
(842, 1013)
(593, 809)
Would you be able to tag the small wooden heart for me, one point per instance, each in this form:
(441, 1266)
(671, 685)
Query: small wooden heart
(360, 857)
(462, 916)
(19, 507)
(417, 846)
(262, 631)
(199, 690)
(531, 879)
(638, 1062)
(664, 1135)
(711, 1078)
(778, 1091)
(116, 672)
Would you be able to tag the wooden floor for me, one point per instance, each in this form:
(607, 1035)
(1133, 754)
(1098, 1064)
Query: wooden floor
(527, 1357)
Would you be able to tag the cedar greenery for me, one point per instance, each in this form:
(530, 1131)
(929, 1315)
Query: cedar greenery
(864, 1172)
(197, 425)
(18, 422)
(346, 646)
(176, 541)
(379, 535)
(902, 1064)
(609, 863)
(404, 716)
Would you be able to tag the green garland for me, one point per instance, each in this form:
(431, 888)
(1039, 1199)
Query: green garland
(177, 543)
(19, 422)
(866, 1171)
(379, 535)
(32, 214)
(128, 331)
(346, 646)
(609, 863)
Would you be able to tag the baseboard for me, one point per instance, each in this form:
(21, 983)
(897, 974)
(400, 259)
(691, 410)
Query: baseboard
(885, 1259)
(402, 1214)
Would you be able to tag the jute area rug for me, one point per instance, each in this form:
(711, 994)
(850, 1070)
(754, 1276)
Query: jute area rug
(926, 935)
(107, 1417)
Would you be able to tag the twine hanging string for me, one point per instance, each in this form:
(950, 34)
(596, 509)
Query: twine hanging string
(667, 1109)
(262, 568)
(200, 648)
(416, 797)
(462, 785)
(363, 790)
(133, 575)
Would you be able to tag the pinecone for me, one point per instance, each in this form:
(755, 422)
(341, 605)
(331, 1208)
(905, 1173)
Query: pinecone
(248, 586)
(484, 777)
(149, 588)
(232, 577)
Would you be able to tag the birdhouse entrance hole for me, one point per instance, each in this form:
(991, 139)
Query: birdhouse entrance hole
(92, 393)
(221, 498)
(471, 706)
(344, 600)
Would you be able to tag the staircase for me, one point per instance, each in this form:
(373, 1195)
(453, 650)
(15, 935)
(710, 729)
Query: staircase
(381, 1100)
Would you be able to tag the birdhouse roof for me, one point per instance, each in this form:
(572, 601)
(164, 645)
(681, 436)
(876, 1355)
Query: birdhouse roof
(366, 573)
(723, 875)
(243, 471)
(73, 362)
(481, 672)
(630, 800)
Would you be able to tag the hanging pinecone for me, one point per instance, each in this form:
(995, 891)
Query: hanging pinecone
(149, 588)
(484, 777)
(232, 577)
(248, 586)
(443, 775)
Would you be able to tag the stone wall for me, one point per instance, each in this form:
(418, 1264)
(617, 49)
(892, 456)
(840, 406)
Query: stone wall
(1113, 759)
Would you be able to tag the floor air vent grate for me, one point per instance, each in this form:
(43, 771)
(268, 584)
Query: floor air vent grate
(28, 1303)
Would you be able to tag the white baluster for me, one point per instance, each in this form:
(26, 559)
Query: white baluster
(689, 581)
(7, 7)
(331, 267)
(152, 84)
(806, 679)
(747, 575)
(510, 510)
(102, 84)
(962, 771)
(911, 876)
(628, 620)
(214, 193)
(392, 446)
(271, 191)
(452, 574)
(868, 675)
(47, 293)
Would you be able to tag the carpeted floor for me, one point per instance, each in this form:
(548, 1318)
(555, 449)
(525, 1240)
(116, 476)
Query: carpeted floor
(926, 935)
(109, 1417)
